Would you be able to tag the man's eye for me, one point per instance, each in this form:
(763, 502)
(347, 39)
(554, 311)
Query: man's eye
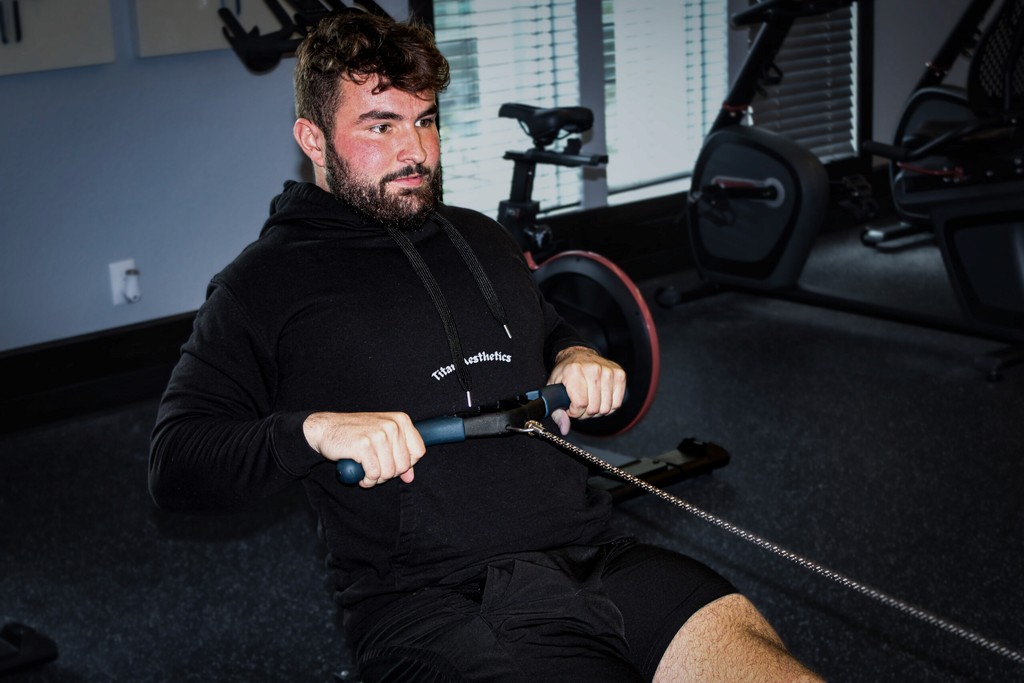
(425, 123)
(381, 128)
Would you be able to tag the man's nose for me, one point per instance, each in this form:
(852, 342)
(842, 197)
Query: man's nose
(413, 150)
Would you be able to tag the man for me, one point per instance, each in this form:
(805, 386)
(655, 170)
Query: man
(353, 315)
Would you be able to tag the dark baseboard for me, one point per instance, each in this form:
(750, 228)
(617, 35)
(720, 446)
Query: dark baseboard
(70, 377)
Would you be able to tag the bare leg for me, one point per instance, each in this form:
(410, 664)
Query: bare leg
(729, 640)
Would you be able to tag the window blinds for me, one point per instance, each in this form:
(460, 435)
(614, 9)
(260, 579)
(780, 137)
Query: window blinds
(665, 77)
(503, 51)
(814, 104)
(665, 72)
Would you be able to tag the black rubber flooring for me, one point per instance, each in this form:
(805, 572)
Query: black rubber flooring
(871, 447)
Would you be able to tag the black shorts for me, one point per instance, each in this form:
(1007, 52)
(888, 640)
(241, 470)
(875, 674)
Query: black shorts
(594, 613)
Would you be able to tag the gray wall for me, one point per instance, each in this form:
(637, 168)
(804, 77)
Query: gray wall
(166, 160)
(171, 161)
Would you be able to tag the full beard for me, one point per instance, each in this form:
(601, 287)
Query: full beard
(407, 210)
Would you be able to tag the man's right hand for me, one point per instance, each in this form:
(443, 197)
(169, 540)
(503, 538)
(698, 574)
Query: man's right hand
(387, 445)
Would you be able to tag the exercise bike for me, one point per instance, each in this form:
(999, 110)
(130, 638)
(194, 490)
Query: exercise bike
(593, 294)
(758, 200)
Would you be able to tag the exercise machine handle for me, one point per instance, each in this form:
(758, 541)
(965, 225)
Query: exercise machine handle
(533, 405)
(557, 158)
(759, 13)
(756, 13)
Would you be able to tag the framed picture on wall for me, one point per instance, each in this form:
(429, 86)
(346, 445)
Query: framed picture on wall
(167, 27)
(39, 35)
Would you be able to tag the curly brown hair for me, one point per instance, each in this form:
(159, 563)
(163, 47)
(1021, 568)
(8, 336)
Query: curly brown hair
(357, 47)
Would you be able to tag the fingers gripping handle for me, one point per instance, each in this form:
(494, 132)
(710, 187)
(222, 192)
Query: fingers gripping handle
(440, 430)
(433, 431)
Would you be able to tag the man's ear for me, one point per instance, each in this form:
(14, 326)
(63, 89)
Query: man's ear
(311, 140)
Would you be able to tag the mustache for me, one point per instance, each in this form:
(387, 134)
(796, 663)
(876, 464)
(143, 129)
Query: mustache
(418, 169)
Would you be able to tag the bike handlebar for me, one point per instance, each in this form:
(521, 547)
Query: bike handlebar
(533, 405)
(760, 12)
(544, 156)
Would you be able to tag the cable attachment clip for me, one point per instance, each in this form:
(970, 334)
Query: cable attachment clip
(530, 428)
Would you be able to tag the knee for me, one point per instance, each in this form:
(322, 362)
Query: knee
(729, 640)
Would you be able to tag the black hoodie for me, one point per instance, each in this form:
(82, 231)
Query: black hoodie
(326, 313)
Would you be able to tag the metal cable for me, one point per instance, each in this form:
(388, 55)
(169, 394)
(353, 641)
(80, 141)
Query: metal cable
(534, 428)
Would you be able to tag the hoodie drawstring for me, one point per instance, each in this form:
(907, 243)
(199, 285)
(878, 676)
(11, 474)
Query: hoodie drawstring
(437, 297)
(471, 261)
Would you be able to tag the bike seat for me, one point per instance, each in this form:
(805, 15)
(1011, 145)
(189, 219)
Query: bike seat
(544, 125)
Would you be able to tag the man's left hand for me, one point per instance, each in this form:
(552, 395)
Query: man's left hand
(595, 385)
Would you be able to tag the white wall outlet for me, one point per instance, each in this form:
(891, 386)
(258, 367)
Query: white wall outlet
(118, 269)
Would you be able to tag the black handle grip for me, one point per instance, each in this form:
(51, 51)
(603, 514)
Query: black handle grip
(440, 430)
(350, 472)
(433, 431)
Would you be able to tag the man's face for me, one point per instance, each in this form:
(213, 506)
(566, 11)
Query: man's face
(383, 158)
